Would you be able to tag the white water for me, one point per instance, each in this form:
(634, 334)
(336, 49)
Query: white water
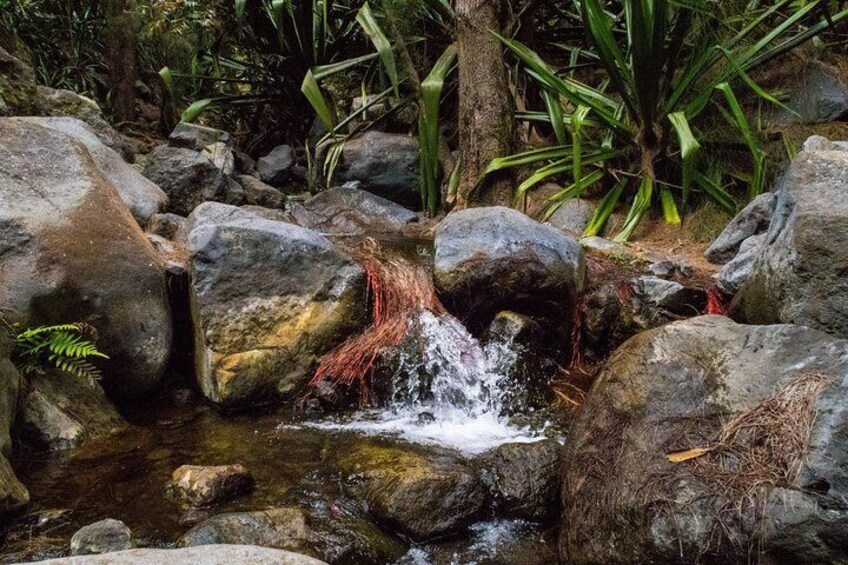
(449, 391)
(488, 540)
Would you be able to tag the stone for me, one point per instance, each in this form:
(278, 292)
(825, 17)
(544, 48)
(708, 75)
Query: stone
(327, 531)
(10, 385)
(492, 259)
(424, 496)
(815, 95)
(257, 193)
(669, 295)
(573, 216)
(18, 91)
(267, 299)
(535, 202)
(221, 156)
(733, 275)
(752, 220)
(64, 220)
(200, 486)
(799, 277)
(102, 537)
(13, 494)
(524, 479)
(165, 225)
(349, 211)
(197, 137)
(385, 163)
(189, 179)
(207, 554)
(142, 197)
(275, 167)
(684, 390)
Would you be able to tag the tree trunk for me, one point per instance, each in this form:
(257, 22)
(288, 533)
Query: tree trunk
(486, 122)
(121, 47)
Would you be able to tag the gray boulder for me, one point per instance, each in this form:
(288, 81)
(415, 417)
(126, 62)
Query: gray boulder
(573, 216)
(385, 163)
(268, 297)
(199, 486)
(524, 479)
(800, 277)
(733, 275)
(349, 211)
(102, 537)
(142, 197)
(208, 555)
(257, 193)
(816, 95)
(670, 296)
(275, 168)
(706, 440)
(752, 220)
(492, 259)
(189, 179)
(63, 219)
(196, 137)
(221, 156)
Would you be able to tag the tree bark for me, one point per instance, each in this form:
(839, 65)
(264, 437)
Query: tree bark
(121, 53)
(486, 121)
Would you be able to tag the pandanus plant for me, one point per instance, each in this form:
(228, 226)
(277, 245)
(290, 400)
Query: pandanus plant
(665, 63)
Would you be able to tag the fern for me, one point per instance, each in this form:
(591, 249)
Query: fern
(63, 346)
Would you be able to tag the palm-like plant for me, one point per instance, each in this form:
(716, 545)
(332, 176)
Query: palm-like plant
(666, 62)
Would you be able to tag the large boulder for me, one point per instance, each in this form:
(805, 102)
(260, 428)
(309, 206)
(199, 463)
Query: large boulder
(750, 221)
(275, 168)
(207, 554)
(492, 259)
(189, 178)
(268, 297)
(71, 252)
(816, 94)
(142, 197)
(707, 440)
(346, 210)
(799, 276)
(385, 163)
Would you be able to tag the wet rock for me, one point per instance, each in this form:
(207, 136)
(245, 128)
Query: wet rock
(207, 554)
(102, 537)
(752, 220)
(275, 168)
(730, 389)
(268, 297)
(491, 259)
(346, 210)
(800, 275)
(385, 163)
(199, 486)
(513, 329)
(63, 219)
(331, 533)
(734, 274)
(573, 216)
(524, 479)
(196, 137)
(18, 94)
(607, 315)
(165, 225)
(257, 193)
(189, 179)
(423, 496)
(142, 197)
(221, 156)
(670, 296)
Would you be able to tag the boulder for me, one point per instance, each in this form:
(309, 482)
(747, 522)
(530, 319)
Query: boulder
(102, 537)
(707, 440)
(142, 197)
(275, 168)
(799, 277)
(71, 252)
(196, 137)
(189, 179)
(385, 163)
(424, 496)
(199, 486)
(752, 220)
(573, 216)
(524, 479)
(267, 298)
(326, 531)
(208, 555)
(491, 259)
(815, 95)
(257, 193)
(18, 93)
(222, 157)
(733, 275)
(670, 297)
(13, 494)
(348, 211)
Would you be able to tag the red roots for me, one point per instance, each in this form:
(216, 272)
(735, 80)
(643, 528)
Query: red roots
(716, 302)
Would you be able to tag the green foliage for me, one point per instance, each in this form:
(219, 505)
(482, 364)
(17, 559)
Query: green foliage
(665, 61)
(63, 346)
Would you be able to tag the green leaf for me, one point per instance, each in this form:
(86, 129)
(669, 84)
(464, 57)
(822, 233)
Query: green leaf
(240, 6)
(605, 208)
(312, 91)
(689, 149)
(371, 27)
(526, 158)
(195, 110)
(572, 191)
(669, 207)
(751, 140)
(641, 204)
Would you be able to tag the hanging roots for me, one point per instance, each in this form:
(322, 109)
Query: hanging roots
(397, 289)
(716, 302)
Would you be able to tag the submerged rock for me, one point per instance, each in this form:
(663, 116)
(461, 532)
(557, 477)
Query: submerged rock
(347, 211)
(799, 277)
(207, 555)
(199, 486)
(63, 220)
(524, 479)
(491, 259)
(102, 537)
(196, 137)
(268, 297)
(752, 220)
(707, 440)
(423, 496)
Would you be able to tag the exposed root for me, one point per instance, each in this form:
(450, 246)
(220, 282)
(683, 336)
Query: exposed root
(716, 302)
